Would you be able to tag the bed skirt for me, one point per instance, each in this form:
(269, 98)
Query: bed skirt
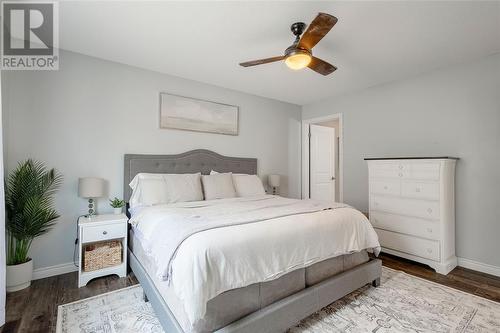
(277, 316)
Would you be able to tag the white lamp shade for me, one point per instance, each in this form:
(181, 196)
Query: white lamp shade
(273, 180)
(90, 187)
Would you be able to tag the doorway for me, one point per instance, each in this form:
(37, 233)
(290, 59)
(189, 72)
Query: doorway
(322, 158)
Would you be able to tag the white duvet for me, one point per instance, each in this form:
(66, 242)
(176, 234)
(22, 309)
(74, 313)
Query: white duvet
(207, 247)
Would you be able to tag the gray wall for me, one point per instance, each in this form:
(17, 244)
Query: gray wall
(84, 117)
(455, 111)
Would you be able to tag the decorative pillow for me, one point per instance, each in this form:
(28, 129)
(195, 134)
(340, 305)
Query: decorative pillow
(183, 187)
(213, 172)
(152, 189)
(248, 185)
(218, 186)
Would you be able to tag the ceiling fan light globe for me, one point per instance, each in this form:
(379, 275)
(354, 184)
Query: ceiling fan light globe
(298, 61)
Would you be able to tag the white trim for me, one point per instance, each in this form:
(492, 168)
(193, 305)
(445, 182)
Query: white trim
(44, 272)
(479, 266)
(305, 153)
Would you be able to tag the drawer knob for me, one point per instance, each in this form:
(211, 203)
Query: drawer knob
(400, 174)
(429, 230)
(400, 167)
(417, 190)
(385, 187)
(429, 210)
(104, 232)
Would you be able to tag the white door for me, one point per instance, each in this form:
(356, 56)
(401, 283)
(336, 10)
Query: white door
(322, 163)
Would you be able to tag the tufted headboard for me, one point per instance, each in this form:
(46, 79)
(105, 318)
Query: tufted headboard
(199, 160)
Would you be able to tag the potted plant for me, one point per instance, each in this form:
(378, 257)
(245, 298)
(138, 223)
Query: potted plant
(117, 205)
(29, 192)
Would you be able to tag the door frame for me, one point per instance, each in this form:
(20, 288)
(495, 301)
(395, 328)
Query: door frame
(305, 153)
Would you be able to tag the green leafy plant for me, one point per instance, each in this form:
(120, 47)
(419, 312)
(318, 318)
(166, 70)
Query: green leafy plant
(29, 192)
(117, 203)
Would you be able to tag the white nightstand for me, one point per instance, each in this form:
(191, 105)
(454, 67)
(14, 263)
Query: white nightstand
(97, 229)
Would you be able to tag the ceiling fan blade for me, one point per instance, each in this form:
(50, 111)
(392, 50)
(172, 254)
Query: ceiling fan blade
(318, 28)
(321, 66)
(261, 61)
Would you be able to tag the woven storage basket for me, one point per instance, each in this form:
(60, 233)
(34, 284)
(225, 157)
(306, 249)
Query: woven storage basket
(101, 255)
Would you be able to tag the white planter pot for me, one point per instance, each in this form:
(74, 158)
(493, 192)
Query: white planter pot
(117, 210)
(19, 276)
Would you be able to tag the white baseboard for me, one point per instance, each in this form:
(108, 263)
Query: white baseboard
(44, 272)
(479, 266)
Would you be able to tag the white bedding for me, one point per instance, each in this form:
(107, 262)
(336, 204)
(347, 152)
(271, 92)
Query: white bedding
(270, 237)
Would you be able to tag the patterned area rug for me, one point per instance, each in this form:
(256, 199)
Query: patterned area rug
(120, 311)
(403, 303)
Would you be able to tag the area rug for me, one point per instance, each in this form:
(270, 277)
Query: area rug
(403, 303)
(120, 311)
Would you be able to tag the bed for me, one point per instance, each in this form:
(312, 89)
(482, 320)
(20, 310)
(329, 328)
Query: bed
(252, 304)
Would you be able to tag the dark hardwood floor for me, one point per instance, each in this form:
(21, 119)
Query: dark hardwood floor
(477, 283)
(35, 309)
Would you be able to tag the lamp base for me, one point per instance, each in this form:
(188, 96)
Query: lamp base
(91, 208)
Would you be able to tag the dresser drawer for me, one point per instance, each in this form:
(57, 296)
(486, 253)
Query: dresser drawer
(425, 170)
(406, 225)
(408, 207)
(104, 232)
(424, 248)
(420, 190)
(392, 187)
(389, 170)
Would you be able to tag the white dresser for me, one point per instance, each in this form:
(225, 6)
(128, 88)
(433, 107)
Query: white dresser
(412, 208)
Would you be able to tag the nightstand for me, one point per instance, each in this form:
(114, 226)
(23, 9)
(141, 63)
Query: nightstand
(101, 228)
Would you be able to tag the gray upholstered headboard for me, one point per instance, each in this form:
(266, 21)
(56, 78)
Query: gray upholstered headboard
(193, 161)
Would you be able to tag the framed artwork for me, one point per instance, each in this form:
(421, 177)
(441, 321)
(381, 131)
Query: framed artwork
(185, 113)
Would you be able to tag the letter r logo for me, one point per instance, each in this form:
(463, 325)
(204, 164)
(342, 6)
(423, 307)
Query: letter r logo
(28, 28)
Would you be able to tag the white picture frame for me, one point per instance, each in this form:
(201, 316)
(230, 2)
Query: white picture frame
(191, 114)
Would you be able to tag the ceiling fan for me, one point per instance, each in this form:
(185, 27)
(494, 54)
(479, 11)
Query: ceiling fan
(299, 54)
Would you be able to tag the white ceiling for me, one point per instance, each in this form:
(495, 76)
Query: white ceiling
(373, 42)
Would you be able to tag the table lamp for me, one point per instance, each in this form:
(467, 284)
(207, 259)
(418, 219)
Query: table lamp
(274, 182)
(91, 188)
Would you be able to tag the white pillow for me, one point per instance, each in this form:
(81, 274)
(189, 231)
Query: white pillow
(135, 182)
(152, 189)
(183, 187)
(248, 185)
(218, 186)
(136, 185)
(213, 172)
